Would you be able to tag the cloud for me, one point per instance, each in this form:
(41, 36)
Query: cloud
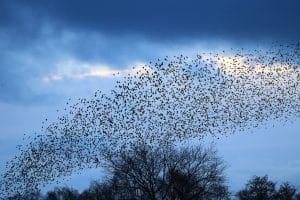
(73, 69)
(35, 35)
(23, 64)
(27, 63)
(164, 20)
(240, 65)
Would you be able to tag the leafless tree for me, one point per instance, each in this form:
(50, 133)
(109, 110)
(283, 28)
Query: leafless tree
(146, 172)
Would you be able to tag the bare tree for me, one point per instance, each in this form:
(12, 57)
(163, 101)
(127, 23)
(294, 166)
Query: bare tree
(146, 172)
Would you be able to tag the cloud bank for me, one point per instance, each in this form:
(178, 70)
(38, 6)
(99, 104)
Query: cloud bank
(36, 36)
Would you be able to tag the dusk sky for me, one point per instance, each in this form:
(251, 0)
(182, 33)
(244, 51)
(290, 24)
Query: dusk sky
(55, 50)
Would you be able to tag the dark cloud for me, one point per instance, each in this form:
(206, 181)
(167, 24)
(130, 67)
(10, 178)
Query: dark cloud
(172, 19)
(24, 61)
(36, 34)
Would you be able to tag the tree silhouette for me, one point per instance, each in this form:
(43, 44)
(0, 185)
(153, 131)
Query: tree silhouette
(286, 192)
(297, 196)
(145, 172)
(261, 188)
(169, 101)
(98, 191)
(178, 185)
(168, 173)
(64, 193)
(258, 188)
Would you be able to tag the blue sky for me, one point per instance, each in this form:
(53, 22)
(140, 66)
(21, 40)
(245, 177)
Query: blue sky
(55, 50)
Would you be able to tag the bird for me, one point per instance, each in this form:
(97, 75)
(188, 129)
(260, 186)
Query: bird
(170, 100)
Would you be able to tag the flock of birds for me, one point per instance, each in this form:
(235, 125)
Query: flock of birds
(169, 101)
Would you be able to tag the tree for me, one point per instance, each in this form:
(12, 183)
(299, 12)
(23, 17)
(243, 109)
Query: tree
(286, 192)
(258, 188)
(145, 172)
(297, 196)
(99, 191)
(64, 193)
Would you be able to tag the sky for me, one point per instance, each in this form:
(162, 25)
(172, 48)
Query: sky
(55, 50)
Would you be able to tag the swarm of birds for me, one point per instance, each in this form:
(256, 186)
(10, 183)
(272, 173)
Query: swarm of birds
(168, 101)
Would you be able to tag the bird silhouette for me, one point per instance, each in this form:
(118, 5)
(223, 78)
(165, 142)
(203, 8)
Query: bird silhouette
(171, 100)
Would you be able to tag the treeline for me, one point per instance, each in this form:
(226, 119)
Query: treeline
(188, 173)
